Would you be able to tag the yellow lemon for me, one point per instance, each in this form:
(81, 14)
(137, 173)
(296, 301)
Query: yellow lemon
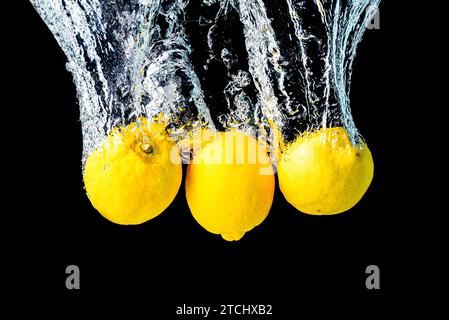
(322, 173)
(230, 184)
(134, 175)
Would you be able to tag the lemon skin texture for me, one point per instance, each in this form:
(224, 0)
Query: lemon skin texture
(134, 175)
(322, 173)
(230, 186)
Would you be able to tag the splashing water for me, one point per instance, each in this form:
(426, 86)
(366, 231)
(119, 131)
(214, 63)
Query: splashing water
(285, 65)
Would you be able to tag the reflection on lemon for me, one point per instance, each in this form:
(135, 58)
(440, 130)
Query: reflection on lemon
(322, 173)
(230, 184)
(134, 175)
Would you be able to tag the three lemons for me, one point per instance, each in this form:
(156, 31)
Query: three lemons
(323, 173)
(135, 174)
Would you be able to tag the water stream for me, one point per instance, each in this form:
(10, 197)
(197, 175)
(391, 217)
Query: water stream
(256, 65)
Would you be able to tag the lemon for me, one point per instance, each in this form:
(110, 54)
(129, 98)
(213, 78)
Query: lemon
(134, 175)
(322, 173)
(230, 184)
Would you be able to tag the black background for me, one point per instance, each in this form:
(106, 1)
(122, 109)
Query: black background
(290, 259)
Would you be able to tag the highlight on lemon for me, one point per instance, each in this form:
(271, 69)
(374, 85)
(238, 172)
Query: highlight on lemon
(230, 184)
(135, 174)
(323, 173)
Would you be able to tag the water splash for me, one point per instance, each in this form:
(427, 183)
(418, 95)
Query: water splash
(286, 64)
(302, 68)
(129, 58)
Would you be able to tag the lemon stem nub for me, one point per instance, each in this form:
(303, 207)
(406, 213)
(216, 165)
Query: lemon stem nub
(147, 148)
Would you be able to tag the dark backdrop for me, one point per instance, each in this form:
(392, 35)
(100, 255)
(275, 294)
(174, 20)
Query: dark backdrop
(171, 260)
